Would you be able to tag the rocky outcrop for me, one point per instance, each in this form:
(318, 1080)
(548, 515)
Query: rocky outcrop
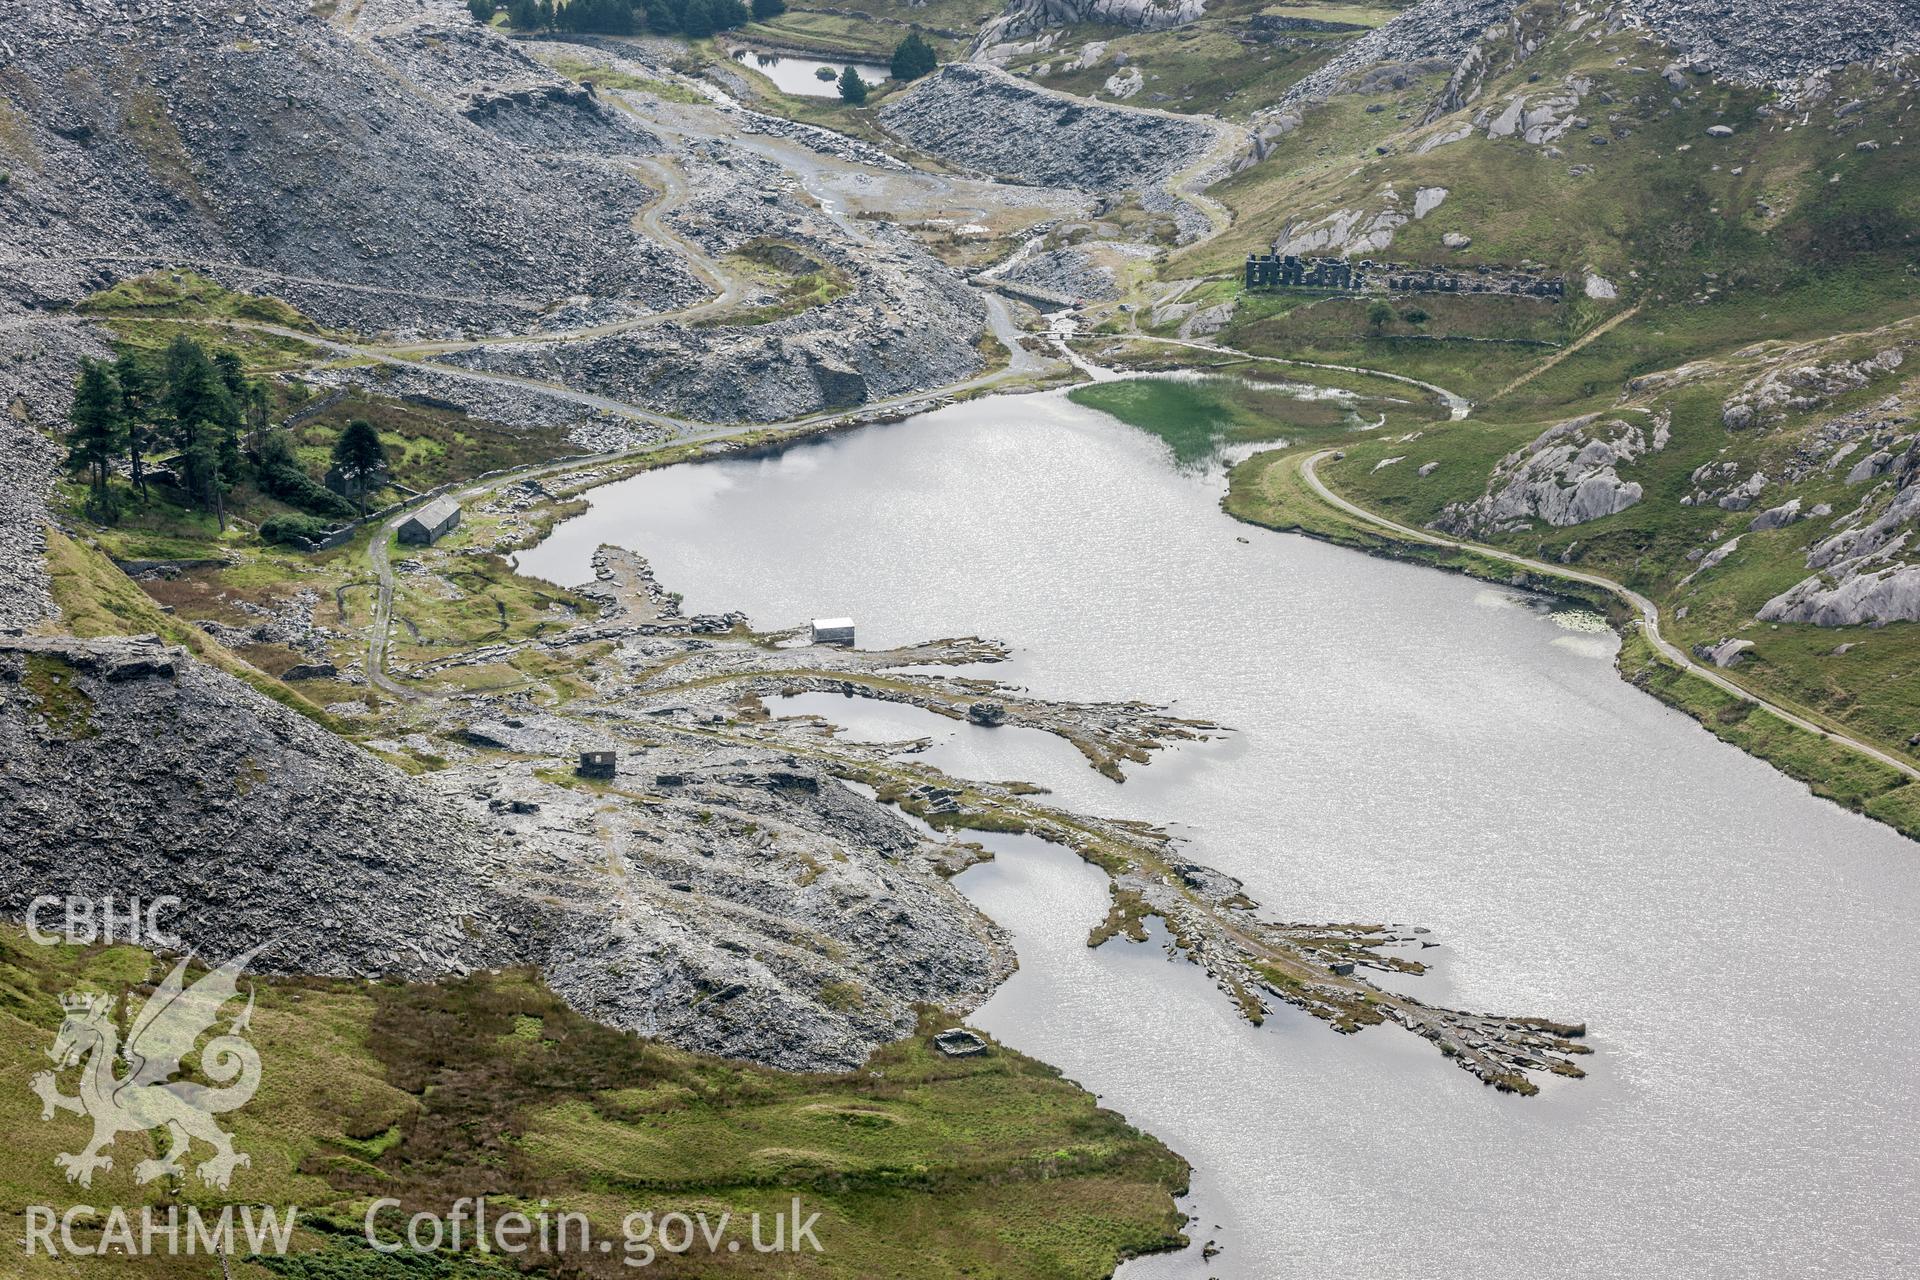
(1761, 42)
(1566, 476)
(1022, 19)
(850, 351)
(1800, 387)
(1728, 653)
(988, 120)
(133, 770)
(1777, 517)
(177, 133)
(1870, 596)
(1721, 484)
(1868, 571)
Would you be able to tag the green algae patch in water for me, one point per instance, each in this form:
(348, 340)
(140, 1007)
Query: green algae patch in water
(1198, 417)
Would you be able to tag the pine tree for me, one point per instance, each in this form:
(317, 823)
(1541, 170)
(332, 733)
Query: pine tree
(697, 19)
(255, 408)
(233, 374)
(195, 392)
(276, 452)
(140, 395)
(913, 58)
(98, 434)
(853, 90)
(200, 463)
(360, 457)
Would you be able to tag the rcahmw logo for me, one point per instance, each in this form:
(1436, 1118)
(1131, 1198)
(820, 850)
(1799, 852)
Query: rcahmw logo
(130, 1086)
(146, 1096)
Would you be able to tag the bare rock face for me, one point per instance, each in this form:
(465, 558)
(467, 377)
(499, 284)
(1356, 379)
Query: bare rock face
(1777, 517)
(1351, 232)
(1797, 388)
(1874, 597)
(1760, 42)
(987, 119)
(1868, 571)
(1025, 18)
(1566, 476)
(1728, 653)
(134, 770)
(275, 152)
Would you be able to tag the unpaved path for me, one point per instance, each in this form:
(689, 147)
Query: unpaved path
(1648, 611)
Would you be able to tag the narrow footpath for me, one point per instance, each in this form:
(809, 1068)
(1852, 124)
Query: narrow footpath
(1648, 611)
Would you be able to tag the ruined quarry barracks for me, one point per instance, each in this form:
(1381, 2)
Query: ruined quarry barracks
(1339, 275)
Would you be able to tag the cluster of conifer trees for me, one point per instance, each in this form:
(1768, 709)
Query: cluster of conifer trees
(189, 406)
(191, 420)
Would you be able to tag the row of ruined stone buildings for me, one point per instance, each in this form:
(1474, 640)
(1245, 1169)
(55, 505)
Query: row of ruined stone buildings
(1343, 275)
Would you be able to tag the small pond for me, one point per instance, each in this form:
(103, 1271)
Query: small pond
(802, 76)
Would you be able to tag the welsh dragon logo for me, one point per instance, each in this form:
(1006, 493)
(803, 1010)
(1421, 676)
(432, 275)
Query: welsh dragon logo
(129, 1088)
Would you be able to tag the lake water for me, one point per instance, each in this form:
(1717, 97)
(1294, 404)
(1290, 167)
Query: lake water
(797, 75)
(1411, 747)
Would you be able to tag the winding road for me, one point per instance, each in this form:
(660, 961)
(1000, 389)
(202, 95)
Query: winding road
(1648, 611)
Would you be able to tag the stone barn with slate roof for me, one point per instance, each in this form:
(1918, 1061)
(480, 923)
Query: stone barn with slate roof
(431, 523)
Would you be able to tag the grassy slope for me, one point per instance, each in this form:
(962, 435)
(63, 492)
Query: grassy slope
(920, 1165)
(1197, 416)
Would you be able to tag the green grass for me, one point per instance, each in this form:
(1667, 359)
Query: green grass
(919, 1165)
(948, 25)
(1674, 218)
(1467, 344)
(1829, 770)
(96, 599)
(427, 445)
(1203, 66)
(611, 78)
(493, 604)
(1268, 490)
(53, 686)
(190, 295)
(800, 282)
(1197, 416)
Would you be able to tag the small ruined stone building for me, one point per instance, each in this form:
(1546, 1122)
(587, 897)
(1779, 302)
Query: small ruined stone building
(597, 764)
(431, 523)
